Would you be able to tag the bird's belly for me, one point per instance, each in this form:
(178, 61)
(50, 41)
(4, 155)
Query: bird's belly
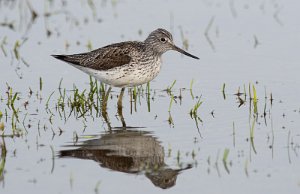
(143, 74)
(125, 76)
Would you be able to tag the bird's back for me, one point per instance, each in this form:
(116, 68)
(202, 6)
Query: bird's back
(107, 57)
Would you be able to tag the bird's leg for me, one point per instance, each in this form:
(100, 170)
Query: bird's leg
(120, 108)
(104, 107)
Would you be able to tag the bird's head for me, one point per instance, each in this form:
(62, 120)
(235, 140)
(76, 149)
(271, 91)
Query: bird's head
(161, 41)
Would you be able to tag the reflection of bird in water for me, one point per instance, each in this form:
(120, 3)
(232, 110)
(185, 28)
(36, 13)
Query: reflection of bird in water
(130, 152)
(165, 177)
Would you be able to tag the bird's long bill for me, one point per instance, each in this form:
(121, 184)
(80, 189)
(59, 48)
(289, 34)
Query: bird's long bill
(184, 52)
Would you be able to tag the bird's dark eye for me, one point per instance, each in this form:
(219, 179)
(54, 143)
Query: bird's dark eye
(163, 39)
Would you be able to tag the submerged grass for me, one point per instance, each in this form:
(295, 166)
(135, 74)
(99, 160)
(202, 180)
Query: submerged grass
(225, 155)
(148, 96)
(169, 92)
(169, 88)
(41, 84)
(87, 102)
(16, 49)
(191, 89)
(225, 162)
(12, 114)
(223, 91)
(3, 44)
(255, 100)
(171, 102)
(194, 114)
(3, 158)
(81, 103)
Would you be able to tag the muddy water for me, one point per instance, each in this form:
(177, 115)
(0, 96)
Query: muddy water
(245, 139)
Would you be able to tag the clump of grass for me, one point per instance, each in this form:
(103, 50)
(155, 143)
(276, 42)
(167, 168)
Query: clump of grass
(169, 88)
(194, 113)
(11, 100)
(81, 103)
(194, 110)
(90, 102)
(11, 113)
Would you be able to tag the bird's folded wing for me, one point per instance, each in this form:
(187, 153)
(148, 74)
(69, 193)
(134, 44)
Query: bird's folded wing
(106, 58)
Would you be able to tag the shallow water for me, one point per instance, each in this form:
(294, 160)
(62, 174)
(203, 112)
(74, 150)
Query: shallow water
(245, 143)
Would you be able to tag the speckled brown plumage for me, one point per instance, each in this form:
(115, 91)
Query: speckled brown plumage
(107, 57)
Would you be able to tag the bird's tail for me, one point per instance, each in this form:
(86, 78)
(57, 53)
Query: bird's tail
(75, 59)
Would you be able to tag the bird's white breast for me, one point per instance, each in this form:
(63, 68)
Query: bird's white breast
(129, 75)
